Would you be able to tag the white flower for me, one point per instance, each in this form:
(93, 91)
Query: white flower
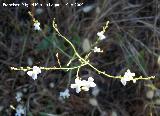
(97, 49)
(33, 74)
(128, 76)
(19, 96)
(20, 110)
(65, 94)
(77, 85)
(88, 84)
(101, 35)
(37, 26)
(83, 84)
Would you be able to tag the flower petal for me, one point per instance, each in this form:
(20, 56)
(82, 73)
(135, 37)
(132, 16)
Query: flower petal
(90, 79)
(30, 73)
(123, 81)
(85, 88)
(34, 76)
(36, 69)
(78, 89)
(92, 84)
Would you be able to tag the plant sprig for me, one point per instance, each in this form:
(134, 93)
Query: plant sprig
(82, 61)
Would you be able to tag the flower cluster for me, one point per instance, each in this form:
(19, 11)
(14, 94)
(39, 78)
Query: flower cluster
(128, 76)
(19, 96)
(20, 110)
(101, 35)
(33, 74)
(83, 84)
(96, 49)
(79, 84)
(37, 25)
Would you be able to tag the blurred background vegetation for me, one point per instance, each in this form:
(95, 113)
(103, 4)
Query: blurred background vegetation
(132, 43)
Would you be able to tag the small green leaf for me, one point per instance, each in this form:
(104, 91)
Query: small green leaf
(45, 43)
(76, 40)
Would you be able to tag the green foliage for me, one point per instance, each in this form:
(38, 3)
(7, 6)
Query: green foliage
(76, 40)
(132, 56)
(54, 43)
(43, 114)
(141, 57)
(45, 43)
(51, 42)
(29, 114)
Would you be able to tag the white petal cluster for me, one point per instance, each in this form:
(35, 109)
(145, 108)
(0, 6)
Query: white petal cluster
(33, 74)
(37, 26)
(19, 96)
(128, 76)
(20, 110)
(101, 35)
(65, 94)
(83, 84)
(96, 49)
